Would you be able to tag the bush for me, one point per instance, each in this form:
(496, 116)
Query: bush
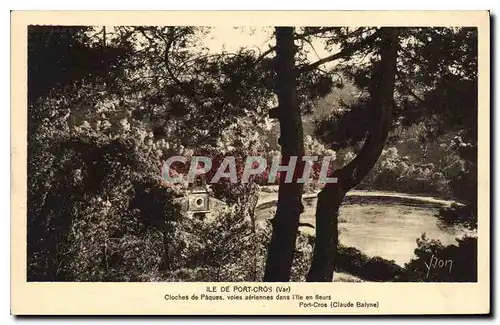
(302, 257)
(351, 260)
(459, 215)
(100, 217)
(226, 249)
(394, 172)
(221, 249)
(97, 210)
(435, 262)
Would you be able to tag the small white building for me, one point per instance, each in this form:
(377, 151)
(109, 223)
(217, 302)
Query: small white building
(198, 203)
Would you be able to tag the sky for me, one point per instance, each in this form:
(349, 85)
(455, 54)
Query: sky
(232, 38)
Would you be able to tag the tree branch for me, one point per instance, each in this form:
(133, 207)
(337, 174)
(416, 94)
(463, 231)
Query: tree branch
(315, 32)
(381, 102)
(347, 51)
(331, 196)
(306, 224)
(304, 36)
(408, 89)
(265, 53)
(331, 29)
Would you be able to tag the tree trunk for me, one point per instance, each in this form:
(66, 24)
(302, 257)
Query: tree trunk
(252, 204)
(286, 221)
(325, 247)
(330, 198)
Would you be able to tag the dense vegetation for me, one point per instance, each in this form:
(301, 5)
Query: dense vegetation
(107, 107)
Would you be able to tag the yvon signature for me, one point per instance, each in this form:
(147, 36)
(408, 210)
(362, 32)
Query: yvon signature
(438, 263)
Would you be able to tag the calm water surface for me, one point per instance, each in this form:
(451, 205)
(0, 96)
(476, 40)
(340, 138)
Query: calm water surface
(385, 229)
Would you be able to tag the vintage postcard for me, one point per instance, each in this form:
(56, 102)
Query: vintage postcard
(250, 163)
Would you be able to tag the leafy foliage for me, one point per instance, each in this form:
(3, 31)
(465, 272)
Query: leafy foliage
(221, 250)
(436, 92)
(106, 106)
(352, 261)
(60, 55)
(96, 205)
(226, 249)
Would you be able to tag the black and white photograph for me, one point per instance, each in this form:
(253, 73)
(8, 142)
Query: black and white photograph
(251, 159)
(394, 109)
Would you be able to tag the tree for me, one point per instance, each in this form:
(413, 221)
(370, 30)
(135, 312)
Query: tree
(435, 86)
(416, 86)
(61, 55)
(448, 101)
(331, 196)
(96, 207)
(181, 96)
(234, 85)
(286, 221)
